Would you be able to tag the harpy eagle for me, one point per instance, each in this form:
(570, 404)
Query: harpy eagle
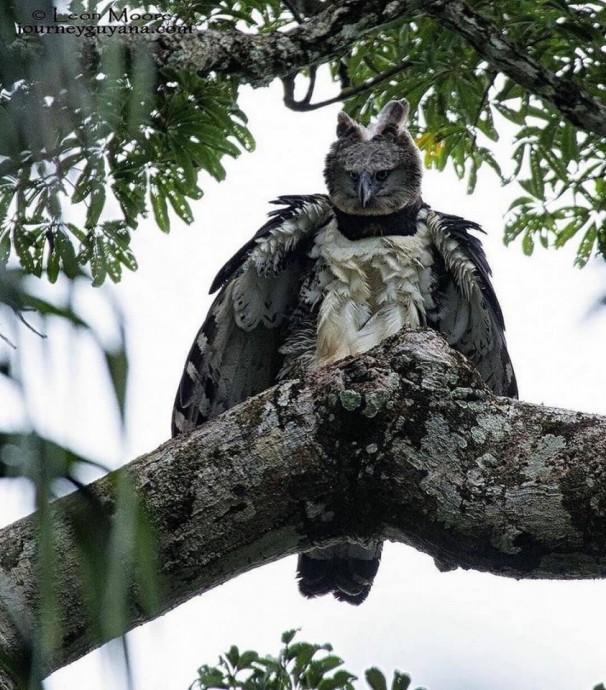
(329, 276)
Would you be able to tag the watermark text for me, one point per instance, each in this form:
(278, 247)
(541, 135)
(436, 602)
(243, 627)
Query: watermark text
(110, 23)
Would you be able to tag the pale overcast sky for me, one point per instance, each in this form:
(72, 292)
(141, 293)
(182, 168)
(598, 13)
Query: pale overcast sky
(451, 631)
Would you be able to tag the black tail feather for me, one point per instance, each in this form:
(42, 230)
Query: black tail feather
(345, 570)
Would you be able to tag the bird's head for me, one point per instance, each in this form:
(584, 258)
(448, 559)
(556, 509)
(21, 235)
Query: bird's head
(376, 170)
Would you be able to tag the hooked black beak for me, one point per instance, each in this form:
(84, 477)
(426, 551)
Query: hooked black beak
(365, 188)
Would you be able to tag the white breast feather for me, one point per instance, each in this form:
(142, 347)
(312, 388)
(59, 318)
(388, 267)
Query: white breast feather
(377, 286)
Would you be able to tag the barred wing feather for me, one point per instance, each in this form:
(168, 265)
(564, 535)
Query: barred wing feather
(468, 312)
(236, 352)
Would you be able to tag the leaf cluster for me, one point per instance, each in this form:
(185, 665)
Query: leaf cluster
(89, 148)
(461, 108)
(298, 666)
(114, 544)
(89, 151)
(262, 15)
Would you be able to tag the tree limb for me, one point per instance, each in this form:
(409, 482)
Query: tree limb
(565, 95)
(257, 59)
(403, 443)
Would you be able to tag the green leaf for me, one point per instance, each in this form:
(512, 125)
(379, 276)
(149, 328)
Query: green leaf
(211, 678)
(5, 249)
(84, 183)
(52, 266)
(331, 661)
(21, 242)
(38, 250)
(159, 206)
(114, 268)
(288, 636)
(555, 164)
(117, 366)
(520, 201)
(568, 142)
(567, 233)
(538, 176)
(233, 655)
(184, 160)
(586, 246)
(5, 202)
(301, 652)
(313, 674)
(65, 250)
(180, 205)
(46, 308)
(401, 681)
(518, 157)
(98, 260)
(375, 678)
(125, 257)
(335, 682)
(344, 678)
(246, 659)
(472, 179)
(95, 206)
(528, 244)
(515, 116)
(530, 186)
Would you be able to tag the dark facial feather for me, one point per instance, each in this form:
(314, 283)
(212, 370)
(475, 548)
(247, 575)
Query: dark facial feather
(385, 151)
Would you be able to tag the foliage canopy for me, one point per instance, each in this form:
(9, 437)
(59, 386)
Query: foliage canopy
(298, 666)
(90, 146)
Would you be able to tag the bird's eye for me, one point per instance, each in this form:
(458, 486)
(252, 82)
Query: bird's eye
(381, 175)
(354, 175)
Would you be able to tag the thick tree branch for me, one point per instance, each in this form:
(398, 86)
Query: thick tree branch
(257, 59)
(574, 104)
(403, 443)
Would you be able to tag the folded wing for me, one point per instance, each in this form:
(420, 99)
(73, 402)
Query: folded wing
(236, 352)
(467, 311)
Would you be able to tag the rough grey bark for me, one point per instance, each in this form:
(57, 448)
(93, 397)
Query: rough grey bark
(403, 443)
(257, 59)
(582, 110)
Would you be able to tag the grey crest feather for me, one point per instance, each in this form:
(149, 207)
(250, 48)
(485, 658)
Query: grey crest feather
(391, 119)
(346, 127)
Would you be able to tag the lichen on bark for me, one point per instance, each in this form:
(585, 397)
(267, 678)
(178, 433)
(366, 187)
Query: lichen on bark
(421, 452)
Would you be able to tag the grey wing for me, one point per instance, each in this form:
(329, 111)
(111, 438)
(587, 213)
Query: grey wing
(236, 352)
(467, 311)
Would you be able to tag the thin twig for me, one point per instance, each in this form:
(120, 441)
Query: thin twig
(7, 341)
(484, 97)
(304, 105)
(19, 315)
